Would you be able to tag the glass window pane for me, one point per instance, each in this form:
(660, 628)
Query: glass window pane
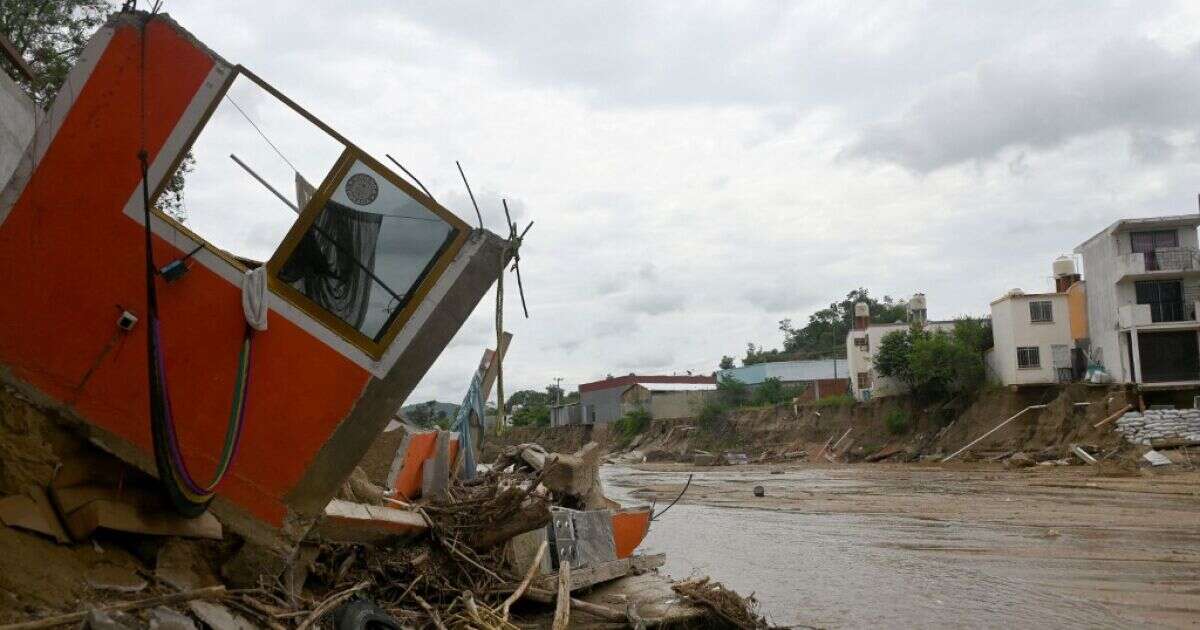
(367, 251)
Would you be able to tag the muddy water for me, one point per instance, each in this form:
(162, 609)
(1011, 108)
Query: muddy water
(855, 570)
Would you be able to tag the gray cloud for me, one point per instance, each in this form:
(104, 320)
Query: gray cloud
(683, 166)
(1038, 99)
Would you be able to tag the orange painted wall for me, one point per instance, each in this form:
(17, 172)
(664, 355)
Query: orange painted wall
(629, 529)
(70, 259)
(1077, 307)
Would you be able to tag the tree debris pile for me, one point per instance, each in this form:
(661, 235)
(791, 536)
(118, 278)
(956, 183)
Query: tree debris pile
(733, 609)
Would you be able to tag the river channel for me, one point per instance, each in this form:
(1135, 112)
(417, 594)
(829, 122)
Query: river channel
(857, 570)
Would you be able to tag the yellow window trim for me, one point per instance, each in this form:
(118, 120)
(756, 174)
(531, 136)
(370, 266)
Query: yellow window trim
(308, 215)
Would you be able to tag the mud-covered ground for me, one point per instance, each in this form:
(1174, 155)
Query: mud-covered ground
(964, 545)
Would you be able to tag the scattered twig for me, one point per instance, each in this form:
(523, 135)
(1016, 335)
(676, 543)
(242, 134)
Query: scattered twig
(331, 602)
(211, 592)
(433, 614)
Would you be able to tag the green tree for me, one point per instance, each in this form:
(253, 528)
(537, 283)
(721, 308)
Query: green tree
(423, 415)
(726, 363)
(824, 336)
(943, 366)
(975, 333)
(772, 392)
(51, 35)
(895, 350)
(732, 392)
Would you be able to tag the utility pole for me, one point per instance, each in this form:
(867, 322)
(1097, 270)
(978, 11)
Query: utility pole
(558, 390)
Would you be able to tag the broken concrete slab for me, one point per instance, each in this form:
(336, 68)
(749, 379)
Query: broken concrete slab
(219, 617)
(33, 512)
(111, 577)
(120, 516)
(1154, 458)
(435, 471)
(345, 521)
(163, 618)
(183, 565)
(523, 548)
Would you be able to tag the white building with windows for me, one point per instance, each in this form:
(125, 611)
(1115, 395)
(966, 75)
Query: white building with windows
(1143, 284)
(862, 345)
(1032, 339)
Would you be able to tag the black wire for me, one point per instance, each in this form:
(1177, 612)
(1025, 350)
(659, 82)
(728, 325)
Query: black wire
(260, 132)
(478, 214)
(664, 510)
(411, 176)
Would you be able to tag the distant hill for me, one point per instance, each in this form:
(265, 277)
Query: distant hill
(450, 408)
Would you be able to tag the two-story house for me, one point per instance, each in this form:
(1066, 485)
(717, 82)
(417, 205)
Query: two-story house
(1143, 282)
(1035, 334)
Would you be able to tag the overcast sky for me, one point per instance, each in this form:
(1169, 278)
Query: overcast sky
(697, 173)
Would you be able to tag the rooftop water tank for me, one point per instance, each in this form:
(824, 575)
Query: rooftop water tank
(862, 309)
(917, 301)
(1064, 266)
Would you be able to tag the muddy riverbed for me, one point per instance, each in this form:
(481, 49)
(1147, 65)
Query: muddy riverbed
(921, 546)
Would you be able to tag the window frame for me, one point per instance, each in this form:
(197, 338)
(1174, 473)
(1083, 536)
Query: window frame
(446, 253)
(1049, 311)
(1037, 356)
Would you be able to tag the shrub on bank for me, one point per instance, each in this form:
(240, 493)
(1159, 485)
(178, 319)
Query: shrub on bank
(897, 422)
(631, 424)
(841, 400)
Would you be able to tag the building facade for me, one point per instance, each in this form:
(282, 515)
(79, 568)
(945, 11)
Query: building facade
(819, 378)
(1143, 284)
(862, 345)
(667, 401)
(601, 401)
(1032, 335)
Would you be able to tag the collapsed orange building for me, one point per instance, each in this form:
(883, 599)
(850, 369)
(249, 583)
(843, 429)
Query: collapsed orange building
(323, 378)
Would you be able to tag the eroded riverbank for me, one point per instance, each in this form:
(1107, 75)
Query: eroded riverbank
(925, 546)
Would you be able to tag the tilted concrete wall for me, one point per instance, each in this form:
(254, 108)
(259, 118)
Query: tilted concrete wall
(18, 119)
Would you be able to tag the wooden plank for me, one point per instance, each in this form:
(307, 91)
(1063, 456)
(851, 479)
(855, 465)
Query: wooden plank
(562, 608)
(1120, 412)
(17, 59)
(590, 576)
(435, 474)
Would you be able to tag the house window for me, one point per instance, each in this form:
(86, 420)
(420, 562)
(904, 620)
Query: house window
(1028, 358)
(363, 249)
(864, 380)
(1165, 299)
(862, 343)
(1147, 243)
(1041, 311)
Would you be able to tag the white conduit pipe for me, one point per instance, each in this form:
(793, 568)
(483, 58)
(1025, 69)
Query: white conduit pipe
(994, 429)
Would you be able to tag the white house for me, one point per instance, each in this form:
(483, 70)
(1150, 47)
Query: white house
(1032, 338)
(862, 344)
(1143, 282)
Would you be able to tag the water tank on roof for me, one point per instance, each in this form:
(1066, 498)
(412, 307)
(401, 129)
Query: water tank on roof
(1014, 292)
(1064, 266)
(862, 309)
(917, 301)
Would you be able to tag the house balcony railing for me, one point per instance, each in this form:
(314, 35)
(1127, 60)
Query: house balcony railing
(1143, 315)
(1170, 260)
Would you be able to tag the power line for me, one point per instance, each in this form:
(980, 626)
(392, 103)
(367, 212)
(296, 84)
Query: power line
(260, 132)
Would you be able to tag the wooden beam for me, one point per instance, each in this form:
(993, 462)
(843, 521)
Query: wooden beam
(1120, 412)
(17, 59)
